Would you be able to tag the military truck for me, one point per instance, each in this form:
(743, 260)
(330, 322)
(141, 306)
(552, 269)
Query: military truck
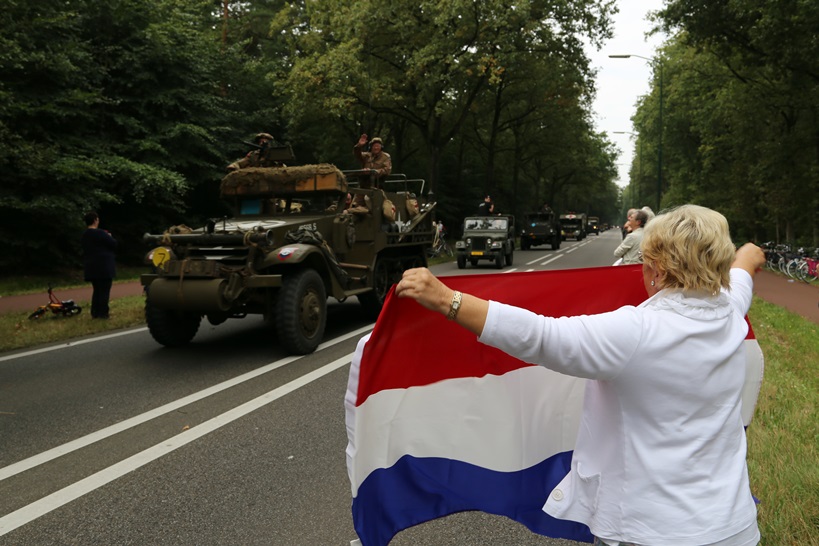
(540, 228)
(298, 235)
(486, 238)
(593, 225)
(573, 225)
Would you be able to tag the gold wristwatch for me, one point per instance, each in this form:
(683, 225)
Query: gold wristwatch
(454, 305)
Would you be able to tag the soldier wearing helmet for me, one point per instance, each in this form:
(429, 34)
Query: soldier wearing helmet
(376, 159)
(256, 158)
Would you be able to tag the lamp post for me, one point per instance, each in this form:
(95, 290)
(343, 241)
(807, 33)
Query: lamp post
(659, 66)
(639, 159)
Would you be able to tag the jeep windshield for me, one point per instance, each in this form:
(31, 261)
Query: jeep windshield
(539, 220)
(489, 224)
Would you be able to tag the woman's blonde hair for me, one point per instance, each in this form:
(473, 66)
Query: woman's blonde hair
(691, 248)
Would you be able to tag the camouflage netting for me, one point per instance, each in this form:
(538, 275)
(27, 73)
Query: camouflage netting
(284, 180)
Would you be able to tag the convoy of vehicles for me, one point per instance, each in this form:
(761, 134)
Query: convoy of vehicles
(298, 236)
(573, 226)
(540, 228)
(486, 238)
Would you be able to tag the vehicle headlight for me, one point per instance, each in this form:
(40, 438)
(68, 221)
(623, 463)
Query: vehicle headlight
(469, 241)
(460, 244)
(496, 244)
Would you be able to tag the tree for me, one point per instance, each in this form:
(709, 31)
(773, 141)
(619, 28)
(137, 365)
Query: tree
(105, 105)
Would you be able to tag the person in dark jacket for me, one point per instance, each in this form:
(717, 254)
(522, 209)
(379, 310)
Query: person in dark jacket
(98, 255)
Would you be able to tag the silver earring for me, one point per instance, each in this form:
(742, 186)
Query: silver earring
(652, 283)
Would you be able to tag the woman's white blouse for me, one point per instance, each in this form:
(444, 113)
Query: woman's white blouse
(660, 454)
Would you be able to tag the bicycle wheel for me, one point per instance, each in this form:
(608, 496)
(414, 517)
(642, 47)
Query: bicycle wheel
(37, 314)
(449, 251)
(792, 269)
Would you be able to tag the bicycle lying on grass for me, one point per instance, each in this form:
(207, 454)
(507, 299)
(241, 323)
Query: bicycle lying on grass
(58, 307)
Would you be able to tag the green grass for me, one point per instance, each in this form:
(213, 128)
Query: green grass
(783, 439)
(18, 332)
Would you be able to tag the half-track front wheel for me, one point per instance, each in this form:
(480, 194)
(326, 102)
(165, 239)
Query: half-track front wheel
(171, 328)
(373, 301)
(301, 312)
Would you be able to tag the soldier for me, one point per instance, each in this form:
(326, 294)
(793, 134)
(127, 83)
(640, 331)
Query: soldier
(487, 207)
(376, 159)
(255, 158)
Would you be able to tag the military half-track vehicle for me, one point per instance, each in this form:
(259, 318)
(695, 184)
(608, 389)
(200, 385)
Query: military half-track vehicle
(298, 236)
(486, 238)
(540, 228)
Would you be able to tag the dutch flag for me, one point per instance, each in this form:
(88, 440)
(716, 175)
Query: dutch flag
(439, 423)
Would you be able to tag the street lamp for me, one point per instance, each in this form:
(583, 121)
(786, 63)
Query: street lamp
(657, 63)
(639, 159)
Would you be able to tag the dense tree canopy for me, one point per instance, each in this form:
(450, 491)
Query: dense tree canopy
(739, 131)
(134, 108)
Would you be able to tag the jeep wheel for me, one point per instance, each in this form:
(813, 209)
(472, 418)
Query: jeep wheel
(301, 312)
(498, 260)
(373, 301)
(171, 328)
(555, 242)
(509, 257)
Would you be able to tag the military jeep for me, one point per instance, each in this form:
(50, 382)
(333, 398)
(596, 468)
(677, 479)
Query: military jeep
(295, 239)
(486, 238)
(540, 228)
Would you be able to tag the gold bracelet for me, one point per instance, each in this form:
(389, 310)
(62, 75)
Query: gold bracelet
(454, 305)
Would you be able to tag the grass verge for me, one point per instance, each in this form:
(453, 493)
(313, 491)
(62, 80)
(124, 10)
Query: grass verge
(783, 439)
(18, 332)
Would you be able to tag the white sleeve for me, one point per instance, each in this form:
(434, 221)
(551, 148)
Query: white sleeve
(590, 346)
(741, 290)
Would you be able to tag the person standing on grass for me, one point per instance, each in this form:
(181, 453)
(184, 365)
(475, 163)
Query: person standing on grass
(99, 249)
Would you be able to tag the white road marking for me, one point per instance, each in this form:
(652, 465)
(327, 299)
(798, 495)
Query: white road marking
(76, 490)
(89, 439)
(71, 344)
(550, 260)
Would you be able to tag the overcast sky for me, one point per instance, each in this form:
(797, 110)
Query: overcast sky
(621, 81)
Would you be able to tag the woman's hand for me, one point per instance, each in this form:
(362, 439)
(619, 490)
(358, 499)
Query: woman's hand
(750, 258)
(425, 288)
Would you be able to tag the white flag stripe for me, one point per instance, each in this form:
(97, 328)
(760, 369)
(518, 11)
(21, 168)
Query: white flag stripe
(495, 422)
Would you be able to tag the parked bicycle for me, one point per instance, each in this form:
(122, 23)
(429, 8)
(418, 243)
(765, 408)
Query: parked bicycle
(439, 247)
(801, 265)
(58, 307)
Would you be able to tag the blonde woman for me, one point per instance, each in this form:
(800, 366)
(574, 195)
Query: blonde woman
(660, 454)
